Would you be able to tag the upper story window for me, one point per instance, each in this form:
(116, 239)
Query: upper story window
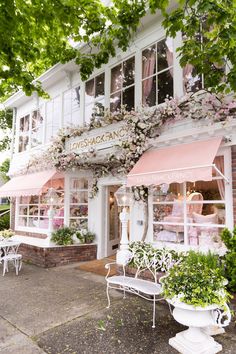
(24, 133)
(94, 97)
(157, 72)
(71, 107)
(31, 130)
(53, 114)
(122, 85)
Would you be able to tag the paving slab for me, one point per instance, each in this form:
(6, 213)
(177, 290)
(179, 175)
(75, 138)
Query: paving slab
(63, 310)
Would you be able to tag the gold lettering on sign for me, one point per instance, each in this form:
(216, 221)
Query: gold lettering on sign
(99, 139)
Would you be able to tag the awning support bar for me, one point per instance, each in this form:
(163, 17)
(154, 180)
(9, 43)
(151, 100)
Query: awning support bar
(220, 173)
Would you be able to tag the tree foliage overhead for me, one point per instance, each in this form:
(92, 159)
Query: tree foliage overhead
(34, 35)
(4, 168)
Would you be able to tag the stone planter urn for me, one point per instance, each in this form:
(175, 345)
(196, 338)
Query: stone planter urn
(196, 340)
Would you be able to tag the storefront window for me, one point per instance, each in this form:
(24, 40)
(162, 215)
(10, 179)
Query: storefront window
(79, 203)
(122, 85)
(33, 210)
(157, 72)
(190, 213)
(94, 97)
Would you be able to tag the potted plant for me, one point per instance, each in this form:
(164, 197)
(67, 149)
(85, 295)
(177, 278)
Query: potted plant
(85, 236)
(63, 236)
(196, 289)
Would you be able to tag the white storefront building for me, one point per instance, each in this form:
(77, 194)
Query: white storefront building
(189, 167)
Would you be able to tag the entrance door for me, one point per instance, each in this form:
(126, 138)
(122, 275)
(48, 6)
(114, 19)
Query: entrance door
(113, 222)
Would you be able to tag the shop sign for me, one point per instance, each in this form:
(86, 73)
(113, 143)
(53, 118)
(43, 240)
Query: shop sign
(100, 139)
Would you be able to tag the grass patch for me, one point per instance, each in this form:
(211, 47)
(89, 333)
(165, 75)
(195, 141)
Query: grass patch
(4, 207)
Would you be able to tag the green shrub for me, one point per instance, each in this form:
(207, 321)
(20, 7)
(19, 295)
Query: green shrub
(229, 258)
(85, 236)
(5, 222)
(198, 280)
(63, 236)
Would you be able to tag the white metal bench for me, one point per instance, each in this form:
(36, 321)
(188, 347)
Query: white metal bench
(147, 289)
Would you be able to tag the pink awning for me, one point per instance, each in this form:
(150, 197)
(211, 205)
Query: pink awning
(25, 185)
(181, 163)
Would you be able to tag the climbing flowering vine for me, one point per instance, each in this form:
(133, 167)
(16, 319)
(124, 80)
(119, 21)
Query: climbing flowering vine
(142, 126)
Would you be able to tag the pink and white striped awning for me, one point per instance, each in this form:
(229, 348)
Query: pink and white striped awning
(25, 185)
(181, 163)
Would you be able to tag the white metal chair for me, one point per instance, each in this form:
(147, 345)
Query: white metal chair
(11, 255)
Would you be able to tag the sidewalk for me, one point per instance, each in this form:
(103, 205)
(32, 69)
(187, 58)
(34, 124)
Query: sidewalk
(63, 310)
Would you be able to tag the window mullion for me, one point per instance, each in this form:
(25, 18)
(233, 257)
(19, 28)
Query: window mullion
(185, 214)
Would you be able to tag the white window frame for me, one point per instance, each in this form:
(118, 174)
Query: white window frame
(228, 202)
(157, 72)
(95, 99)
(121, 62)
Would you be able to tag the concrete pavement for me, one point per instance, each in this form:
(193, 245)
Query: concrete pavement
(63, 310)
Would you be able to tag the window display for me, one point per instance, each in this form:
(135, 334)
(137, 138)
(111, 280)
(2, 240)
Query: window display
(79, 203)
(189, 213)
(33, 210)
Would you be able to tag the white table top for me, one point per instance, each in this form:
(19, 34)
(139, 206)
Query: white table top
(9, 243)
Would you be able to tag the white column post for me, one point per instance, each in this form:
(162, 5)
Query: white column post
(50, 223)
(124, 218)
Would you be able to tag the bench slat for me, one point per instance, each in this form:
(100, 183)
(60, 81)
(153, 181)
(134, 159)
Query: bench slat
(145, 286)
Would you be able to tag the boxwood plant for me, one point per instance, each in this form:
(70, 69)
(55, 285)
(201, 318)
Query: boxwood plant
(197, 280)
(63, 236)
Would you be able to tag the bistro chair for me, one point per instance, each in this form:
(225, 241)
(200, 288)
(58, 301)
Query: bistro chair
(12, 256)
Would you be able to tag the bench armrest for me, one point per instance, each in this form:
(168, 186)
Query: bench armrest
(108, 266)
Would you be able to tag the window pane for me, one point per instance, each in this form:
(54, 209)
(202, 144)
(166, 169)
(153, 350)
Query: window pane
(211, 190)
(78, 211)
(99, 86)
(116, 78)
(76, 98)
(33, 210)
(149, 61)
(79, 223)
(128, 98)
(79, 197)
(168, 233)
(22, 221)
(164, 54)
(192, 81)
(23, 210)
(128, 72)
(149, 92)
(78, 183)
(165, 86)
(115, 102)
(89, 91)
